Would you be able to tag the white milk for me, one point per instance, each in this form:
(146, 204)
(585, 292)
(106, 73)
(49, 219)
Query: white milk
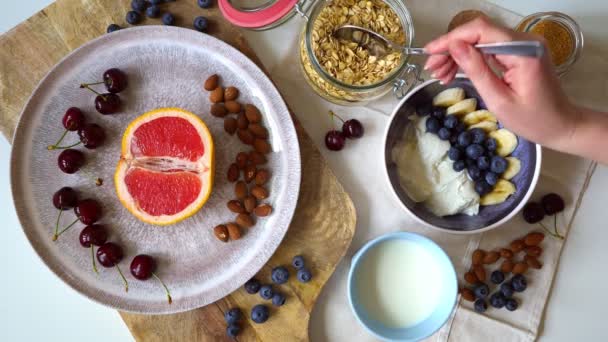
(399, 283)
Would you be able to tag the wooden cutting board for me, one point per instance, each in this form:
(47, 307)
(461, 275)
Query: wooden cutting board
(324, 222)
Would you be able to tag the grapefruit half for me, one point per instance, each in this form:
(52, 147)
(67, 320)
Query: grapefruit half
(165, 172)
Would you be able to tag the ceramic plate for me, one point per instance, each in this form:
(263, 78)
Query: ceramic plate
(166, 67)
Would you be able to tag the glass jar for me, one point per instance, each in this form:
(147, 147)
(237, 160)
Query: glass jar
(266, 14)
(574, 42)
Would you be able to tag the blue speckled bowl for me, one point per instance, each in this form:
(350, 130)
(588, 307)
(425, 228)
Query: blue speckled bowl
(490, 216)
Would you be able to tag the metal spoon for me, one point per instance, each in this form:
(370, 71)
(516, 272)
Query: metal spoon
(379, 46)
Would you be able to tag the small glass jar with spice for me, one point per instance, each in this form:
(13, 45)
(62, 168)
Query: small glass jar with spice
(563, 36)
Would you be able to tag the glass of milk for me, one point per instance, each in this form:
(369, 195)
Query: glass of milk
(402, 287)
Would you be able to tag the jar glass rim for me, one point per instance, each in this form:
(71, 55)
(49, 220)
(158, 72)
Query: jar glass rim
(408, 27)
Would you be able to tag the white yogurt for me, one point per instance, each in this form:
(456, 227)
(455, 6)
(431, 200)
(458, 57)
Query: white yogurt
(399, 283)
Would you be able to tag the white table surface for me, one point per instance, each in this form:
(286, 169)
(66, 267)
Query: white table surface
(36, 305)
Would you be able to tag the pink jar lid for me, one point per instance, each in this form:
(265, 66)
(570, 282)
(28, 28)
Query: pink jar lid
(259, 18)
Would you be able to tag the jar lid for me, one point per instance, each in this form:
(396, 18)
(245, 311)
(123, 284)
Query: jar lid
(255, 17)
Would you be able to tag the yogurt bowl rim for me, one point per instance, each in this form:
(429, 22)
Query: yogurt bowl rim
(418, 219)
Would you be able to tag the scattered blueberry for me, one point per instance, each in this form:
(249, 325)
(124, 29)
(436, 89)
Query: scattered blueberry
(454, 153)
(506, 289)
(252, 286)
(474, 172)
(278, 299)
(444, 133)
(481, 291)
(459, 165)
(156, 2)
(464, 139)
(297, 262)
(461, 127)
(201, 24)
(481, 306)
(153, 12)
(279, 275)
(451, 121)
(482, 187)
(497, 277)
(133, 17)
(519, 283)
(491, 144)
(479, 136)
(491, 178)
(483, 163)
(168, 19)
(438, 113)
(498, 165)
(424, 110)
(304, 275)
(511, 304)
(474, 151)
(112, 28)
(139, 5)
(233, 330)
(497, 300)
(259, 313)
(266, 292)
(233, 315)
(205, 3)
(432, 125)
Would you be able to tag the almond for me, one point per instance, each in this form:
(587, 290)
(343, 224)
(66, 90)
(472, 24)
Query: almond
(259, 192)
(218, 110)
(257, 158)
(233, 173)
(533, 262)
(491, 257)
(221, 233)
(467, 294)
(250, 172)
(217, 95)
(520, 268)
(230, 125)
(480, 272)
(262, 146)
(241, 160)
(232, 107)
(212, 82)
(250, 203)
(471, 278)
(231, 93)
(245, 136)
(236, 207)
(477, 257)
(534, 251)
(234, 232)
(244, 221)
(240, 190)
(242, 121)
(534, 239)
(262, 177)
(517, 246)
(259, 131)
(262, 210)
(253, 113)
(506, 253)
(507, 266)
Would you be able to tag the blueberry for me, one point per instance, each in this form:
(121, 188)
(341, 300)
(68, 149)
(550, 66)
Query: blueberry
(304, 275)
(139, 5)
(424, 110)
(168, 19)
(233, 315)
(153, 12)
(471, 163)
(511, 304)
(506, 289)
(497, 277)
(519, 283)
(491, 144)
(432, 125)
(481, 291)
(481, 306)
(459, 165)
(474, 151)
(491, 178)
(297, 262)
(279, 275)
(482, 187)
(460, 127)
(444, 133)
(278, 299)
(205, 3)
(483, 163)
(266, 292)
(497, 300)
(112, 27)
(454, 139)
(454, 153)
(474, 172)
(156, 2)
(438, 113)
(233, 330)
(259, 313)
(451, 121)
(479, 136)
(464, 139)
(252, 286)
(201, 24)
(498, 164)
(133, 17)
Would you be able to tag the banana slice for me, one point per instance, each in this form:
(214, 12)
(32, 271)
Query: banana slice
(448, 97)
(478, 116)
(512, 169)
(463, 107)
(505, 140)
(487, 126)
(502, 190)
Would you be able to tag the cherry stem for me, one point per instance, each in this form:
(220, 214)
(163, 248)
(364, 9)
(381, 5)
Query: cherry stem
(52, 147)
(550, 232)
(55, 235)
(332, 114)
(555, 225)
(55, 147)
(90, 84)
(93, 258)
(169, 299)
(84, 85)
(64, 230)
(124, 280)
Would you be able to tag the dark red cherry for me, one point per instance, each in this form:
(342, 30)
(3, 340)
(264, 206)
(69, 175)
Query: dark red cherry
(73, 119)
(107, 103)
(334, 140)
(109, 254)
(94, 234)
(65, 198)
(115, 80)
(88, 211)
(552, 203)
(143, 266)
(70, 160)
(352, 129)
(92, 135)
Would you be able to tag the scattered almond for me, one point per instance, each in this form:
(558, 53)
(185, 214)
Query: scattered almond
(236, 207)
(480, 272)
(533, 262)
(471, 278)
(241, 160)
(233, 173)
(491, 257)
(262, 146)
(231, 93)
(221, 233)
(506, 253)
(534, 251)
(250, 203)
(245, 136)
(259, 192)
(242, 121)
(240, 190)
(257, 158)
(244, 220)
(212, 82)
(534, 239)
(232, 107)
(218, 110)
(262, 177)
(520, 268)
(477, 257)
(517, 246)
(250, 172)
(259, 131)
(230, 125)
(253, 113)
(262, 210)
(467, 294)
(507, 266)
(217, 95)
(234, 232)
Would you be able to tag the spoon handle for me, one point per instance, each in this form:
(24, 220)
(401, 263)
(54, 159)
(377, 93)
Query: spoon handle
(515, 48)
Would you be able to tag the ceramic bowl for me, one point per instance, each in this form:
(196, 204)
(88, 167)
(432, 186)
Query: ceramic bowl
(489, 216)
(429, 325)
